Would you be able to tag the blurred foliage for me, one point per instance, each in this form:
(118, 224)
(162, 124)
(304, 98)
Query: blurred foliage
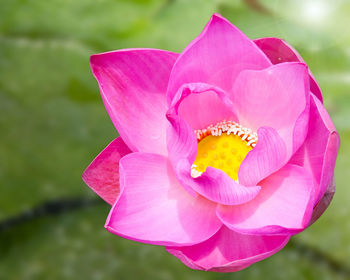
(76, 246)
(53, 123)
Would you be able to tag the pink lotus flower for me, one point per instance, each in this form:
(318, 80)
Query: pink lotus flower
(225, 150)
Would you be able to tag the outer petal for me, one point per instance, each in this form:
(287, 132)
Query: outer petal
(323, 204)
(102, 175)
(133, 85)
(216, 57)
(278, 51)
(153, 207)
(283, 206)
(229, 251)
(319, 151)
(277, 97)
(213, 184)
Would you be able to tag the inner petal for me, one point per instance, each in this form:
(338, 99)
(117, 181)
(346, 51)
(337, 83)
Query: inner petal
(223, 146)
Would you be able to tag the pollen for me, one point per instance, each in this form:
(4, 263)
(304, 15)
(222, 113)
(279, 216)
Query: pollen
(223, 146)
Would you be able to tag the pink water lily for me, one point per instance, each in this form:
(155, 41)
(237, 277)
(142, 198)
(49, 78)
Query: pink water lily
(225, 150)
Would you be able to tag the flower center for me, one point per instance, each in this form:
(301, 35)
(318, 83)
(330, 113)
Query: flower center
(223, 146)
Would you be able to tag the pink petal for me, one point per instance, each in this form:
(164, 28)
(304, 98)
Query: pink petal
(278, 51)
(283, 206)
(102, 175)
(277, 97)
(133, 85)
(181, 141)
(213, 184)
(216, 57)
(319, 151)
(324, 202)
(229, 251)
(216, 185)
(201, 104)
(268, 156)
(154, 208)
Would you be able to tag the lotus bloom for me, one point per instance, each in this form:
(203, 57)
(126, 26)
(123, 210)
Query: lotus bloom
(225, 149)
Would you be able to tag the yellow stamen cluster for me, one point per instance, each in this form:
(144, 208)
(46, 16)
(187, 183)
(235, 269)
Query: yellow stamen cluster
(223, 146)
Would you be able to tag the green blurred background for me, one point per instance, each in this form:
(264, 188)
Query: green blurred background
(53, 123)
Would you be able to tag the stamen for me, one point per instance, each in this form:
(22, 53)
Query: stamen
(216, 148)
(194, 172)
(228, 127)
